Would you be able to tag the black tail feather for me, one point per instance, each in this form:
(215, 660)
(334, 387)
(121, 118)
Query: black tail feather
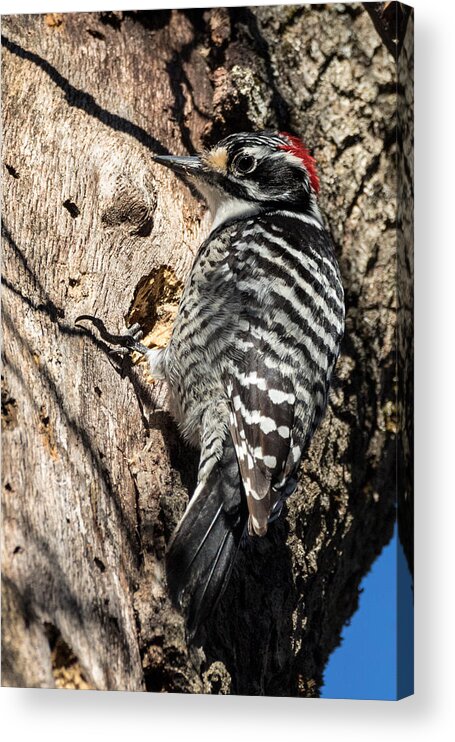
(202, 550)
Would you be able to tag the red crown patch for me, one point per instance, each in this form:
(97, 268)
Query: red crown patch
(297, 148)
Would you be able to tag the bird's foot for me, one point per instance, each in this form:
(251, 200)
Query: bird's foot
(126, 343)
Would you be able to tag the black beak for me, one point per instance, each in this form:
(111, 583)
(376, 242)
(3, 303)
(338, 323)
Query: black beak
(181, 165)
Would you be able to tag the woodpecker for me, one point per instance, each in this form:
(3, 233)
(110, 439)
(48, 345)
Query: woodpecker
(252, 351)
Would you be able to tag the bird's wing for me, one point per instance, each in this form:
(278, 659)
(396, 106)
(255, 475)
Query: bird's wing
(288, 334)
(262, 404)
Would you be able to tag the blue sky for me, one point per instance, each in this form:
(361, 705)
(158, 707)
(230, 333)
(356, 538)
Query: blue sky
(364, 665)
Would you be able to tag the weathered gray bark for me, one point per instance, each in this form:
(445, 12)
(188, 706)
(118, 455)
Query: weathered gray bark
(405, 294)
(95, 475)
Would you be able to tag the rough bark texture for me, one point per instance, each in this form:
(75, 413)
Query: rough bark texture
(95, 475)
(405, 293)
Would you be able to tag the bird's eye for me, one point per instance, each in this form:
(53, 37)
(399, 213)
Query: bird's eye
(244, 164)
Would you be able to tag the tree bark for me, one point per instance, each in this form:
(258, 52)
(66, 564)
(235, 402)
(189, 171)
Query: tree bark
(95, 474)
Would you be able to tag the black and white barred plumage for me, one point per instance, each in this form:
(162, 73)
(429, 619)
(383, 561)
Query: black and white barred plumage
(252, 351)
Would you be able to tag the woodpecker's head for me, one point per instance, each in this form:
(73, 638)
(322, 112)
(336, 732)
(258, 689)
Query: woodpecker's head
(246, 173)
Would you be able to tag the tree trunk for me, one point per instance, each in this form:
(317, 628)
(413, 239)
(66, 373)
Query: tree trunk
(95, 474)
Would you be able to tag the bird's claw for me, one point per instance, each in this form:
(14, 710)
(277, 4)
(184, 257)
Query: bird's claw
(127, 343)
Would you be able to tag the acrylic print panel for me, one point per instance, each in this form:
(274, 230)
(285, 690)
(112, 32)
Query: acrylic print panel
(204, 505)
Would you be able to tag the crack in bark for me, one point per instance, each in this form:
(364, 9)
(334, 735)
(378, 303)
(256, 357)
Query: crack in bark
(279, 103)
(371, 170)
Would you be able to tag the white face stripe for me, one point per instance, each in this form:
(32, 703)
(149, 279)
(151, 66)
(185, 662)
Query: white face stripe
(222, 205)
(291, 159)
(260, 152)
(232, 208)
